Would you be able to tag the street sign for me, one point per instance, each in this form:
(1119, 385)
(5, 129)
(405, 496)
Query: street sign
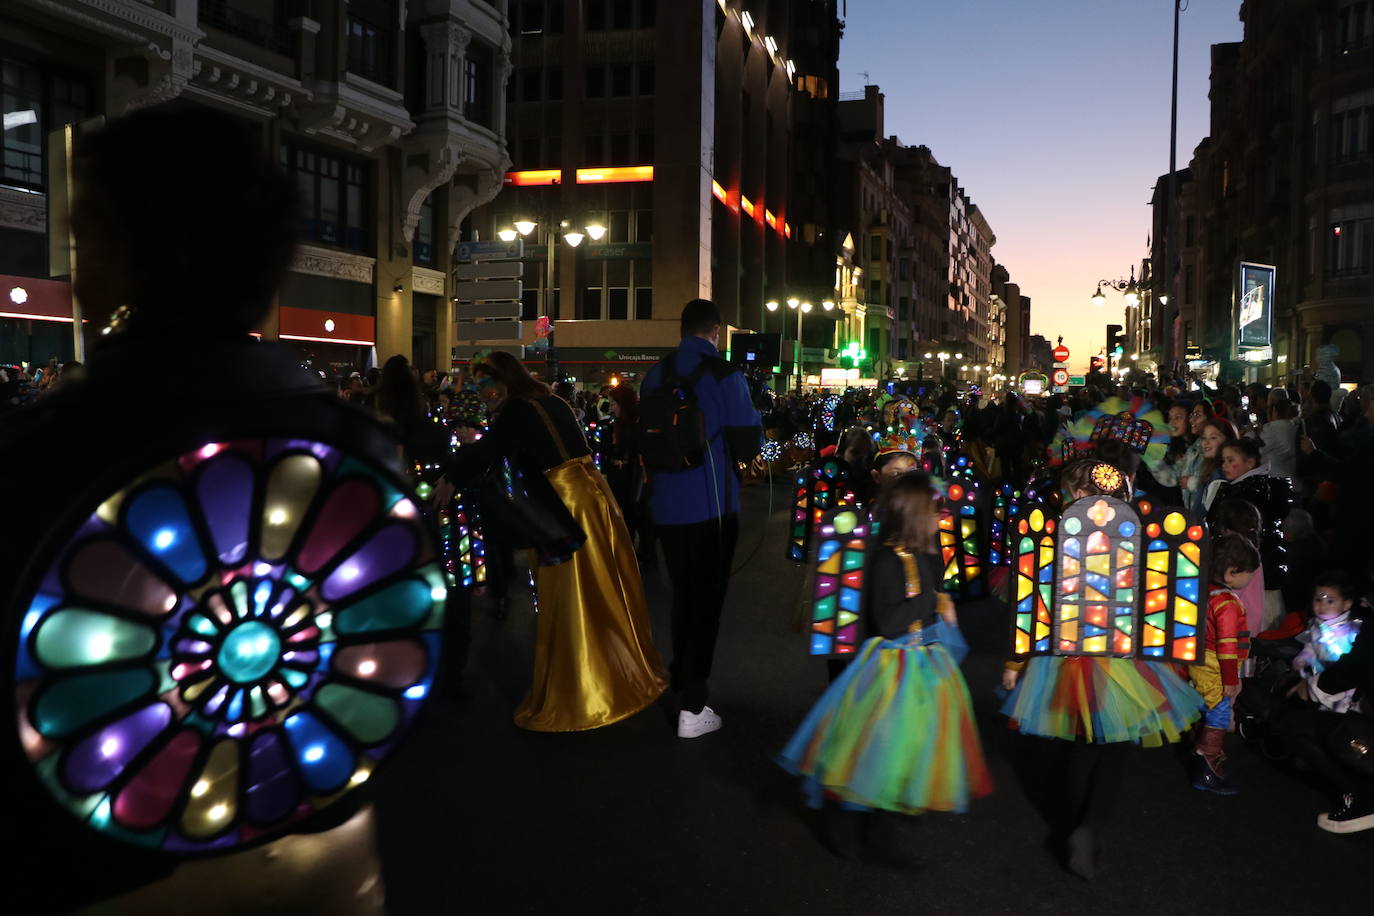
(488, 291)
(487, 330)
(1061, 377)
(470, 311)
(490, 270)
(1061, 354)
(1077, 381)
(468, 252)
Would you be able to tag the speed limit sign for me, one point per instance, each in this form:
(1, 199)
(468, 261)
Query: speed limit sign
(1061, 377)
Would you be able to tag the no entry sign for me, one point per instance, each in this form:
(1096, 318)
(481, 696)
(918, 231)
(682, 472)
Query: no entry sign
(1061, 353)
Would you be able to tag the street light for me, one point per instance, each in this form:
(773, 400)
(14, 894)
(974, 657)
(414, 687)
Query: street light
(507, 235)
(828, 305)
(1129, 288)
(596, 231)
(771, 305)
(801, 308)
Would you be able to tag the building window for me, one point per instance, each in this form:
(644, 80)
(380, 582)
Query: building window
(1352, 128)
(529, 85)
(589, 305)
(618, 304)
(594, 82)
(645, 144)
(1350, 245)
(594, 148)
(529, 304)
(619, 228)
(1355, 26)
(646, 79)
(1188, 277)
(644, 302)
(369, 40)
(35, 101)
(875, 248)
(596, 15)
(620, 149)
(554, 80)
(424, 250)
(334, 196)
(621, 80)
(875, 291)
(644, 226)
(622, 14)
(477, 84)
(648, 13)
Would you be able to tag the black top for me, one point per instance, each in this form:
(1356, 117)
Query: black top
(887, 611)
(518, 432)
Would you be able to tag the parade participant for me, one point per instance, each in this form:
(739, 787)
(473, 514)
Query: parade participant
(594, 657)
(228, 485)
(1087, 711)
(895, 732)
(1330, 634)
(1190, 466)
(1215, 434)
(1217, 679)
(1246, 478)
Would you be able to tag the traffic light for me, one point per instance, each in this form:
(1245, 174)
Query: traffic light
(1116, 340)
(1099, 363)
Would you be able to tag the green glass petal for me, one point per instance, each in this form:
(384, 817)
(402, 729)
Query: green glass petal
(366, 716)
(73, 702)
(295, 678)
(203, 625)
(401, 605)
(73, 637)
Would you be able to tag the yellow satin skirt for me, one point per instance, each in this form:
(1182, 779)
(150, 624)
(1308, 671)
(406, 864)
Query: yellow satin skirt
(594, 656)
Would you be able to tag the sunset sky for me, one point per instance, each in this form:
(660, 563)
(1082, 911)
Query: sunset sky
(1054, 115)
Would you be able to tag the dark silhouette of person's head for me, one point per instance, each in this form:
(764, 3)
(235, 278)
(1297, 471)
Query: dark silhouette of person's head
(700, 318)
(398, 396)
(182, 216)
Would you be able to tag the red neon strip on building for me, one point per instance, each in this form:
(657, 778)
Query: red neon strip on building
(770, 219)
(534, 177)
(748, 206)
(615, 174)
(719, 192)
(787, 229)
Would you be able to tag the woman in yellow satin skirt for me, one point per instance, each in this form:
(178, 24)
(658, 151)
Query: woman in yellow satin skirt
(594, 656)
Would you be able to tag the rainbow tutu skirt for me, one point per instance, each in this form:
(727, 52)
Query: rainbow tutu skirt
(1102, 700)
(894, 731)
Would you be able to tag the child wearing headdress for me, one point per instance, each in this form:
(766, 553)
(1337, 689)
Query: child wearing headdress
(895, 732)
(1088, 711)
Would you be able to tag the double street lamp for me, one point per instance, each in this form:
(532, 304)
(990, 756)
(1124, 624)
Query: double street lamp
(523, 227)
(944, 357)
(801, 308)
(1129, 288)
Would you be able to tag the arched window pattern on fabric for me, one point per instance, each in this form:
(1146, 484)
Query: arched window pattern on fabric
(1175, 584)
(840, 555)
(1111, 579)
(1035, 555)
(1096, 581)
(229, 644)
(816, 491)
(960, 524)
(465, 552)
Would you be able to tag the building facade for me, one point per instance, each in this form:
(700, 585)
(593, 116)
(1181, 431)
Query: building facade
(1285, 179)
(699, 136)
(389, 115)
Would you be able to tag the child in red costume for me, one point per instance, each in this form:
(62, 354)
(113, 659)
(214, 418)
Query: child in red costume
(1234, 561)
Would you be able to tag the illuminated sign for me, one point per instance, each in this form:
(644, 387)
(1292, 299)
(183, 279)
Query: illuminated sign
(535, 177)
(748, 206)
(1254, 306)
(615, 174)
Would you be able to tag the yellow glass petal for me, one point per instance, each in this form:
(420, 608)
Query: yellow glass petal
(1185, 611)
(1158, 560)
(213, 799)
(1095, 644)
(290, 488)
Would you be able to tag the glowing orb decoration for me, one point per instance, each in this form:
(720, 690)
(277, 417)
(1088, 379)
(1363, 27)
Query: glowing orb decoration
(19, 295)
(804, 440)
(771, 450)
(229, 644)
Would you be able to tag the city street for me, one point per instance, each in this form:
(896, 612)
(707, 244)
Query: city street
(480, 817)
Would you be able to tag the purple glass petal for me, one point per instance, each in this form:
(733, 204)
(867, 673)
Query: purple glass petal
(96, 761)
(272, 788)
(177, 842)
(388, 550)
(225, 489)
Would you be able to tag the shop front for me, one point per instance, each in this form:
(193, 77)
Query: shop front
(335, 343)
(35, 321)
(591, 368)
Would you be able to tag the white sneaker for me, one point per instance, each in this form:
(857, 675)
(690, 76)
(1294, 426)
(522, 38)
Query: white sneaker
(696, 724)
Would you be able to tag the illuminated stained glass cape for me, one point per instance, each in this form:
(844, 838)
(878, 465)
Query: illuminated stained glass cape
(841, 553)
(228, 643)
(815, 491)
(962, 523)
(1111, 579)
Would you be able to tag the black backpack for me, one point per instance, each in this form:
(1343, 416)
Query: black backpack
(672, 425)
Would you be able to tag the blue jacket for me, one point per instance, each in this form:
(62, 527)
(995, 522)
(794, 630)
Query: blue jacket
(712, 490)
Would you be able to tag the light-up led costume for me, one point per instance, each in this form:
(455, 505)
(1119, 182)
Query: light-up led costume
(1106, 602)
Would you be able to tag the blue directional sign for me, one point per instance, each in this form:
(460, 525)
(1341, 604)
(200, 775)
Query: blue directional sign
(467, 252)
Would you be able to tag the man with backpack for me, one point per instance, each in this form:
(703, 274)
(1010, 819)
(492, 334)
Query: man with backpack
(698, 425)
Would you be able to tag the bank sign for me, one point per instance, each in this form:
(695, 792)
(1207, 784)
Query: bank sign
(1254, 306)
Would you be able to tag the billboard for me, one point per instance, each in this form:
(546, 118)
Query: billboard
(1254, 306)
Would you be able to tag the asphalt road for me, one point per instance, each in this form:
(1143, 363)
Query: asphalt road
(478, 816)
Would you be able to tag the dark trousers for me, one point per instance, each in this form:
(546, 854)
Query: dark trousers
(1083, 781)
(698, 557)
(1307, 731)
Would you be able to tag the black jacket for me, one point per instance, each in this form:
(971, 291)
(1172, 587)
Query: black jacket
(887, 611)
(1273, 497)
